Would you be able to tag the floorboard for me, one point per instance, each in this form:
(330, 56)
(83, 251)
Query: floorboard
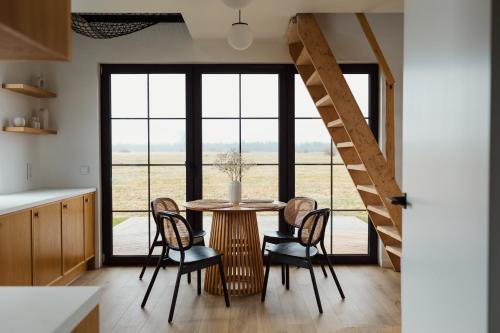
(372, 303)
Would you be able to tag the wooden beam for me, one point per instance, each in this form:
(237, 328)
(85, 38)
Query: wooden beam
(291, 34)
(375, 48)
(389, 127)
(389, 90)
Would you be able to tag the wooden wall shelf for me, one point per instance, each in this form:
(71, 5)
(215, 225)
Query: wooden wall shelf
(29, 130)
(29, 90)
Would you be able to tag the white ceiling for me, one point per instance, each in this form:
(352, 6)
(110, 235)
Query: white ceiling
(211, 19)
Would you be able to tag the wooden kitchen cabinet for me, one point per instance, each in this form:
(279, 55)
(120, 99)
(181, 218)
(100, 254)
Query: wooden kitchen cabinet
(35, 30)
(88, 216)
(48, 243)
(73, 252)
(15, 249)
(47, 264)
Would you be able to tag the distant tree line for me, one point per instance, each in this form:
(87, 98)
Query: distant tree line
(305, 147)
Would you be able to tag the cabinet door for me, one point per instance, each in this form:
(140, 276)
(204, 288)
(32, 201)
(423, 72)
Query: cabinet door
(35, 30)
(72, 233)
(88, 204)
(46, 244)
(15, 249)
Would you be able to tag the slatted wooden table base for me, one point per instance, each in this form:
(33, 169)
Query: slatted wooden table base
(236, 234)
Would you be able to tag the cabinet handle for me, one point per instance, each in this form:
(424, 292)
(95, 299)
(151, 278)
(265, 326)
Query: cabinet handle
(86, 199)
(35, 214)
(65, 206)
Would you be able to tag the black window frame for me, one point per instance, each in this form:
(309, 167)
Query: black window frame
(194, 164)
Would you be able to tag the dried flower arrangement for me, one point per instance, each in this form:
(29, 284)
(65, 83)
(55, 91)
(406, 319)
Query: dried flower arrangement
(233, 164)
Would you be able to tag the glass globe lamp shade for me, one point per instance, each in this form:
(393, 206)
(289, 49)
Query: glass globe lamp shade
(240, 36)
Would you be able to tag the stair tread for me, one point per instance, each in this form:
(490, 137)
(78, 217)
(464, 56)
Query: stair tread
(380, 210)
(394, 250)
(336, 123)
(367, 188)
(357, 167)
(313, 79)
(390, 231)
(306, 71)
(347, 144)
(325, 100)
(303, 58)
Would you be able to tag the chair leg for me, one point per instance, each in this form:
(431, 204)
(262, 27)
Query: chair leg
(151, 248)
(287, 277)
(324, 252)
(324, 270)
(318, 300)
(198, 276)
(283, 276)
(174, 297)
(223, 280)
(189, 277)
(266, 277)
(264, 246)
(164, 266)
(151, 283)
(333, 272)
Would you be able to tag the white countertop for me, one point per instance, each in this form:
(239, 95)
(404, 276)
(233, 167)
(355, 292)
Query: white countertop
(45, 309)
(24, 200)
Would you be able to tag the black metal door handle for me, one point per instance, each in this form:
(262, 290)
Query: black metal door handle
(400, 201)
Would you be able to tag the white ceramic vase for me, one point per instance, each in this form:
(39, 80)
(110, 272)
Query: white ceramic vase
(44, 117)
(235, 192)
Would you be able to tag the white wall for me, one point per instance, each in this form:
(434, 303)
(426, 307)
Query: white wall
(77, 82)
(349, 44)
(16, 150)
(446, 165)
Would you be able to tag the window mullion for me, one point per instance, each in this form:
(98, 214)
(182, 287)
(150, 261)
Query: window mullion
(149, 163)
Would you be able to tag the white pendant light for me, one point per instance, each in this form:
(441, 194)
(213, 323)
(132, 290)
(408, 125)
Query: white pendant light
(240, 35)
(237, 4)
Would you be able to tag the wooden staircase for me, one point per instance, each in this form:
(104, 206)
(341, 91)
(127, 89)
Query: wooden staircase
(358, 148)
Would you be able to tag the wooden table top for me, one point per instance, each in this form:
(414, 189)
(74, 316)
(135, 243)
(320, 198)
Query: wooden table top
(210, 205)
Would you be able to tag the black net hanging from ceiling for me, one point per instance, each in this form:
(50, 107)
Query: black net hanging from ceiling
(103, 26)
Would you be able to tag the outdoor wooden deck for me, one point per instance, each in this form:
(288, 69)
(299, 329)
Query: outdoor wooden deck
(350, 234)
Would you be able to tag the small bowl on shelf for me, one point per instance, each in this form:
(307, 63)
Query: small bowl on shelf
(19, 122)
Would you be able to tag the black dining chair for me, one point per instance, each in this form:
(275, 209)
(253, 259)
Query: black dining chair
(177, 237)
(294, 212)
(169, 205)
(299, 253)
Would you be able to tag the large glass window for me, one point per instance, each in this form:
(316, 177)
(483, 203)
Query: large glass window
(240, 113)
(162, 127)
(148, 142)
(320, 172)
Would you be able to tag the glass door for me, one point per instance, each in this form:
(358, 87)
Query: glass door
(147, 126)
(162, 127)
(240, 113)
(321, 174)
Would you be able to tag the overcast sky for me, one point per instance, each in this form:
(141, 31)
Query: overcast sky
(220, 98)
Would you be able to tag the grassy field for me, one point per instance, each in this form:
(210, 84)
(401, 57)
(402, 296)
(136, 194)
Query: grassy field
(130, 184)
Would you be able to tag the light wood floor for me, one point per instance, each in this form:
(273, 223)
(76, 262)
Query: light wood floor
(372, 303)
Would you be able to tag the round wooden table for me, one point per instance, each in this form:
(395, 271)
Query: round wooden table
(236, 234)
